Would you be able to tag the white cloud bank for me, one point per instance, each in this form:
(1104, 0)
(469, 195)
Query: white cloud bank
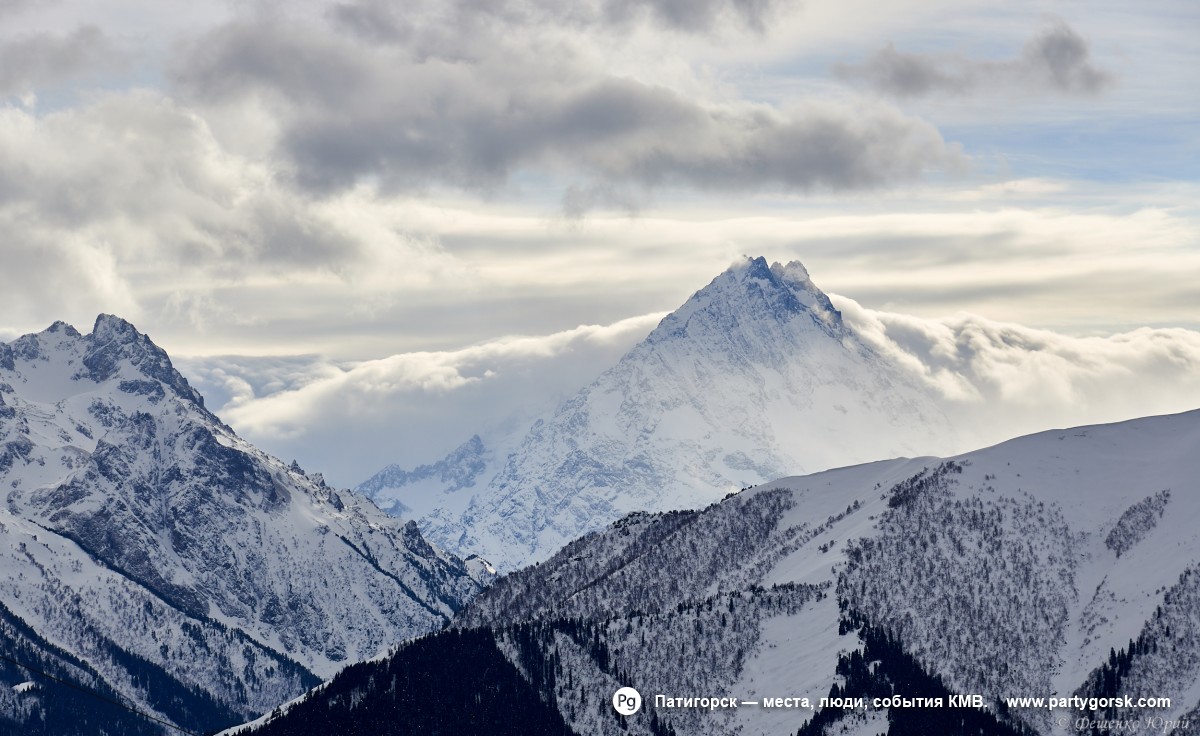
(348, 420)
(1002, 380)
(997, 381)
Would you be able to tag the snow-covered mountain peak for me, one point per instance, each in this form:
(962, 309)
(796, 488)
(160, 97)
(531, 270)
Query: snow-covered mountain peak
(111, 328)
(792, 271)
(115, 342)
(39, 346)
(755, 376)
(59, 361)
(751, 294)
(64, 328)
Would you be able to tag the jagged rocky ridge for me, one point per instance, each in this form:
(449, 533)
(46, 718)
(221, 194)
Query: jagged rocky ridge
(158, 556)
(756, 376)
(987, 574)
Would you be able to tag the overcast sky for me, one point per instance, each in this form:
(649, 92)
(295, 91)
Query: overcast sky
(370, 200)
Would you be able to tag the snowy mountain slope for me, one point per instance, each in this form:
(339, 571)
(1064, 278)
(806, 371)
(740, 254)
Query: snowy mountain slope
(445, 486)
(754, 377)
(34, 703)
(158, 528)
(994, 573)
(81, 606)
(999, 575)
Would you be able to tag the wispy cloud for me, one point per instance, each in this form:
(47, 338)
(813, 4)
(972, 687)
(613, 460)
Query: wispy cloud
(1057, 60)
(380, 21)
(130, 204)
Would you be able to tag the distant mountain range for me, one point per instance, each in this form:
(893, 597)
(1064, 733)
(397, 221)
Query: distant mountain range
(152, 556)
(1064, 564)
(756, 376)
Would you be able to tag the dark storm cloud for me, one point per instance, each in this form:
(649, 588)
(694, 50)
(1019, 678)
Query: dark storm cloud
(473, 111)
(28, 62)
(1057, 60)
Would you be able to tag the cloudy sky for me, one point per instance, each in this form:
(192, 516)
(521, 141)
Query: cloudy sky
(398, 220)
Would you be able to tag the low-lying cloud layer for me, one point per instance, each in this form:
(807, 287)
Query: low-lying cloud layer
(995, 380)
(1003, 380)
(411, 407)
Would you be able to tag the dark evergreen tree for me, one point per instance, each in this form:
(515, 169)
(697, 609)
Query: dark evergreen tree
(453, 683)
(884, 669)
